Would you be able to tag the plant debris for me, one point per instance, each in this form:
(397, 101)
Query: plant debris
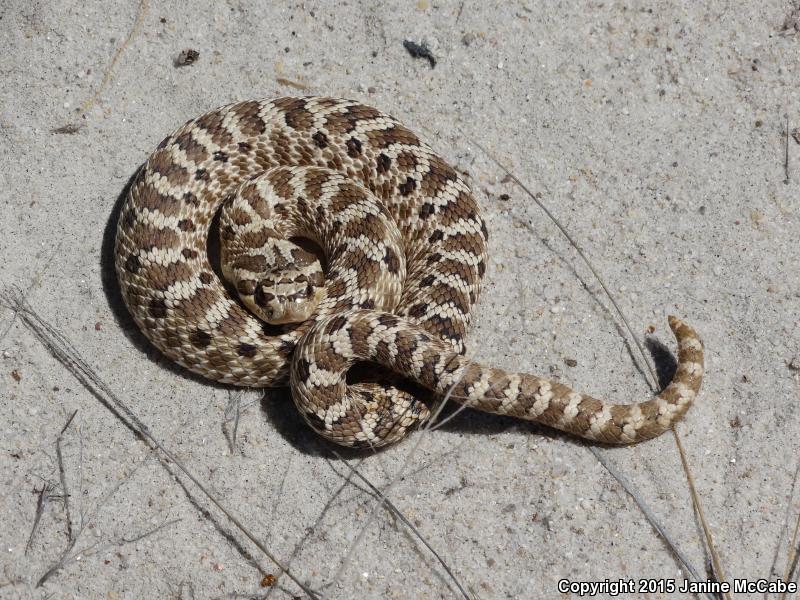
(187, 57)
(69, 128)
(289, 83)
(420, 51)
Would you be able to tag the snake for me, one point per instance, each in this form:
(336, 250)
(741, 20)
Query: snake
(350, 258)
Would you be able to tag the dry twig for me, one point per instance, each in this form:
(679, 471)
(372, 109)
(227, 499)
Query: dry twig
(44, 497)
(232, 413)
(63, 350)
(89, 102)
(63, 477)
(650, 516)
(68, 554)
(390, 505)
(715, 562)
(384, 498)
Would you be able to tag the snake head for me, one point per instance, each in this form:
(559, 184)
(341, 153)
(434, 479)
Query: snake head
(280, 281)
(281, 299)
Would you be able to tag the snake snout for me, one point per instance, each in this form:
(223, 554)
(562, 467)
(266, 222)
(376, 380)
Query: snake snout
(285, 302)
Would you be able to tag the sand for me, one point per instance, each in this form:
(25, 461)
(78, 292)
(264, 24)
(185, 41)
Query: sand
(656, 133)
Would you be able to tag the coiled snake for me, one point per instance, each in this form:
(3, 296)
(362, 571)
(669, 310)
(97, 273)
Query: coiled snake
(395, 263)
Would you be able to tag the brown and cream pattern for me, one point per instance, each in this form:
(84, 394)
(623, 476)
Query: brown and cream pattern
(399, 257)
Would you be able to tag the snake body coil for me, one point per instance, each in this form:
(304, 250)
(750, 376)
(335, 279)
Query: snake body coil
(403, 251)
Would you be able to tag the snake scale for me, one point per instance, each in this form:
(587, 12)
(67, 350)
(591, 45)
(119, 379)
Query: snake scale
(347, 240)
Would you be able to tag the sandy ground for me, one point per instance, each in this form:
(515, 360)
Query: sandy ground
(655, 132)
